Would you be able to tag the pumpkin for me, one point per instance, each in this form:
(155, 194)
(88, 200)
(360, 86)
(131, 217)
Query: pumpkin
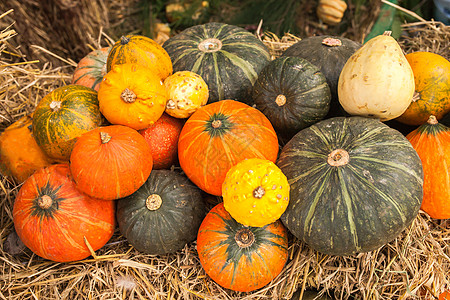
(255, 192)
(20, 155)
(162, 137)
(138, 49)
(355, 184)
(163, 215)
(329, 54)
(62, 116)
(227, 57)
(432, 142)
(238, 257)
(292, 93)
(444, 295)
(377, 80)
(91, 68)
(132, 95)
(432, 88)
(331, 11)
(186, 92)
(111, 162)
(218, 136)
(53, 218)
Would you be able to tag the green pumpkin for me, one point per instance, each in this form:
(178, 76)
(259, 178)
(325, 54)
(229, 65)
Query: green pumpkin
(227, 57)
(292, 93)
(355, 185)
(163, 215)
(329, 54)
(62, 116)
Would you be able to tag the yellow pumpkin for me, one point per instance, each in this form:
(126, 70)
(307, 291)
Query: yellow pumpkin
(186, 92)
(432, 80)
(377, 80)
(255, 192)
(20, 155)
(132, 95)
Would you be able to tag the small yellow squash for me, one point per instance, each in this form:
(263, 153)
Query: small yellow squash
(255, 192)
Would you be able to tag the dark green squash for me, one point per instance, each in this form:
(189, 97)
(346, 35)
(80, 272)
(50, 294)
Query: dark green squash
(292, 93)
(355, 184)
(227, 57)
(329, 54)
(163, 215)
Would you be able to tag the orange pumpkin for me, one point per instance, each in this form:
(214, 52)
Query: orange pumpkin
(111, 162)
(53, 218)
(218, 136)
(162, 137)
(238, 257)
(132, 95)
(62, 116)
(91, 68)
(444, 295)
(20, 155)
(140, 50)
(432, 142)
(432, 81)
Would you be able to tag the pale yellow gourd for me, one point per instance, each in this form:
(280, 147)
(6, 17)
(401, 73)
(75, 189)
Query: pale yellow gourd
(377, 80)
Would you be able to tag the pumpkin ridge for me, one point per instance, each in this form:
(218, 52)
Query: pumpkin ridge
(58, 227)
(244, 65)
(390, 165)
(367, 183)
(323, 179)
(218, 78)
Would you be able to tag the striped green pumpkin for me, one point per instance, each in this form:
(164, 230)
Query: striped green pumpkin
(227, 57)
(62, 116)
(355, 184)
(91, 68)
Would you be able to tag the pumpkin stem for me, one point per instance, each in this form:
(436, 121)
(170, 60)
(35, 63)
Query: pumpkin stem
(153, 202)
(332, 42)
(124, 40)
(104, 137)
(128, 96)
(210, 45)
(171, 104)
(387, 33)
(259, 192)
(432, 120)
(338, 157)
(280, 100)
(216, 123)
(55, 105)
(244, 238)
(416, 97)
(45, 201)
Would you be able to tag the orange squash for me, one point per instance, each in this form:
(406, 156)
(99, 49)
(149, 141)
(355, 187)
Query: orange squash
(218, 136)
(20, 155)
(162, 137)
(140, 50)
(111, 162)
(432, 88)
(444, 295)
(432, 142)
(132, 95)
(91, 68)
(238, 257)
(53, 218)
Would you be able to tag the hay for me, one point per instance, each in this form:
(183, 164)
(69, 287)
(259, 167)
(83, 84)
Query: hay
(415, 265)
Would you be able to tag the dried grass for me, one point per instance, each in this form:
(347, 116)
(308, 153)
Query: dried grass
(416, 265)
